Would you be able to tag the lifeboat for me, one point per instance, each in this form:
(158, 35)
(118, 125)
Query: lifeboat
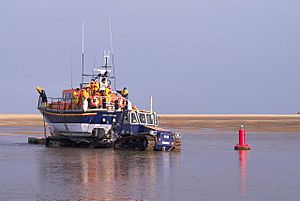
(91, 117)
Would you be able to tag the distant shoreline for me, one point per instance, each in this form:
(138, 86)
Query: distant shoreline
(193, 122)
(232, 122)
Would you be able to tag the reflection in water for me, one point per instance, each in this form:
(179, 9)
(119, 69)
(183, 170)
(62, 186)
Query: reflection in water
(243, 175)
(33, 172)
(103, 174)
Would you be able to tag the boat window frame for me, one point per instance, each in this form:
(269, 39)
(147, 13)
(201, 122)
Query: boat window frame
(142, 123)
(151, 115)
(136, 117)
(156, 119)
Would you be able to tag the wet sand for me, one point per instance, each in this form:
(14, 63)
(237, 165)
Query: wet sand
(253, 122)
(21, 120)
(181, 122)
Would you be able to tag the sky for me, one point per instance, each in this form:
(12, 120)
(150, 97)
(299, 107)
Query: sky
(192, 56)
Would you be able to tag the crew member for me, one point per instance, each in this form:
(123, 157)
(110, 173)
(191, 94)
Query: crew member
(94, 86)
(103, 85)
(85, 98)
(76, 99)
(107, 94)
(85, 93)
(125, 93)
(43, 97)
(88, 89)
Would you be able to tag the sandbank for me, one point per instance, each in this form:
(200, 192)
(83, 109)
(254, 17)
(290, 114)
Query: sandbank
(192, 122)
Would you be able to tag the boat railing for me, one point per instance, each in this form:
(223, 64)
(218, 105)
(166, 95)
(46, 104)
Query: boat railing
(57, 103)
(62, 104)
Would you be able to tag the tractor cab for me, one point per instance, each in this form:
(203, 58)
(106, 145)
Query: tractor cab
(134, 122)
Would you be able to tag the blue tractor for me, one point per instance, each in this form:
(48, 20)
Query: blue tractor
(139, 130)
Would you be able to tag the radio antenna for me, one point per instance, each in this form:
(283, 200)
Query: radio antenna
(112, 54)
(94, 65)
(82, 52)
(71, 71)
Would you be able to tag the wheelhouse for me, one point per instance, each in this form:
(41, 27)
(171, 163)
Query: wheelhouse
(67, 95)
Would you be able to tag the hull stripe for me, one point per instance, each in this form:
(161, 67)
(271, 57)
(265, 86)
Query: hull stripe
(58, 114)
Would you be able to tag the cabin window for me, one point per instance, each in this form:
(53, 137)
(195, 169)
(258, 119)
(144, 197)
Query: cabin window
(150, 119)
(142, 118)
(134, 119)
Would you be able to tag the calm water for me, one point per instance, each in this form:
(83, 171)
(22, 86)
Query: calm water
(207, 169)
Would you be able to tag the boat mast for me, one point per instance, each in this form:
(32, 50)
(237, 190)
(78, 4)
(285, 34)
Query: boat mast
(112, 55)
(82, 52)
(151, 104)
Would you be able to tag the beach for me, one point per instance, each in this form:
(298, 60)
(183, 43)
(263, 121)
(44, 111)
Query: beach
(191, 122)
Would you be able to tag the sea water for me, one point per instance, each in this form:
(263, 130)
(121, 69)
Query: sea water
(207, 168)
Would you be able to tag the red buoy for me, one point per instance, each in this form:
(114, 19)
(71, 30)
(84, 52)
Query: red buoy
(242, 140)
